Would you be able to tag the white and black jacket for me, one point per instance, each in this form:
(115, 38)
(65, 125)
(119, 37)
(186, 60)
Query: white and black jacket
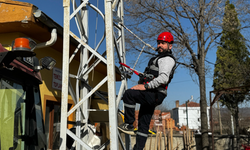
(159, 72)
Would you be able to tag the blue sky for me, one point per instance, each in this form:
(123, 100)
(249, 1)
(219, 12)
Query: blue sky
(181, 87)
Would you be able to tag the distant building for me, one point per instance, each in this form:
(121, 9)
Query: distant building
(188, 113)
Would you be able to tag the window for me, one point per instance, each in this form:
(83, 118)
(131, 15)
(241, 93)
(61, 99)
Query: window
(184, 111)
(12, 114)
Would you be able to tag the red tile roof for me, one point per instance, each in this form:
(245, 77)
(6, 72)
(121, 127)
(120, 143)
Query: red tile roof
(190, 104)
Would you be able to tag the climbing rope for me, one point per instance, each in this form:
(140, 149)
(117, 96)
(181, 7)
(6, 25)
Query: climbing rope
(139, 56)
(138, 37)
(145, 44)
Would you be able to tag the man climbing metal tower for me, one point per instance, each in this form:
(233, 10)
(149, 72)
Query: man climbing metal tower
(151, 90)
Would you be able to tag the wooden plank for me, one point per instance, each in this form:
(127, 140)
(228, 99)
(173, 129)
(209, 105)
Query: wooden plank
(165, 138)
(150, 141)
(159, 146)
(99, 116)
(156, 139)
(171, 134)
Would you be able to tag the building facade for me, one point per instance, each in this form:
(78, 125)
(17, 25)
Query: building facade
(188, 114)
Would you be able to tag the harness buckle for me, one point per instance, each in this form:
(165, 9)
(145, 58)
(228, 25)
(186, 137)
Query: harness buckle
(127, 73)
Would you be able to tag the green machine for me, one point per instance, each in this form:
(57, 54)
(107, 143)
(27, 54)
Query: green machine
(21, 118)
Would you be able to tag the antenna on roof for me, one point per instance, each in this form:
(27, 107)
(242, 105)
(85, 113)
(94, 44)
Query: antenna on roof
(190, 99)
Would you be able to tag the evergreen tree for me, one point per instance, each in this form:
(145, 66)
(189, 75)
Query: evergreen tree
(231, 68)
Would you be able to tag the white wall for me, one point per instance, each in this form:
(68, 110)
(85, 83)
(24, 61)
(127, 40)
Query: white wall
(194, 121)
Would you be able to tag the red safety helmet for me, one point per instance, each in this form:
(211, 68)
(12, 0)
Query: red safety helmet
(166, 36)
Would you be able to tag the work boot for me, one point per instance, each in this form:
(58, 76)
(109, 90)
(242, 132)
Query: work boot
(126, 128)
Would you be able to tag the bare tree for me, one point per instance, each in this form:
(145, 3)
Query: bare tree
(196, 26)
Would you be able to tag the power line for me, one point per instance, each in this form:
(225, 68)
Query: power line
(209, 62)
(181, 81)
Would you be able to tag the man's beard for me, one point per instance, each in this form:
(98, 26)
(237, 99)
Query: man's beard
(163, 50)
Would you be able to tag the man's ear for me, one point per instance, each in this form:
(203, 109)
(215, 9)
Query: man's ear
(170, 46)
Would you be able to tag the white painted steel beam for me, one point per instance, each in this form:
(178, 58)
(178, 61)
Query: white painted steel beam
(88, 47)
(71, 134)
(65, 75)
(111, 75)
(87, 96)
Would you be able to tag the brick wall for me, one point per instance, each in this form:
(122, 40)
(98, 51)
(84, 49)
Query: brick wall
(159, 120)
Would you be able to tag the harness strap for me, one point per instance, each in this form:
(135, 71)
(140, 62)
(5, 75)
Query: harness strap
(148, 80)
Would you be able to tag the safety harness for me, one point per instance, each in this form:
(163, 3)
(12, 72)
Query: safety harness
(152, 70)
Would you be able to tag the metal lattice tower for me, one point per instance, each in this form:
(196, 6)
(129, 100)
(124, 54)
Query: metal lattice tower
(114, 35)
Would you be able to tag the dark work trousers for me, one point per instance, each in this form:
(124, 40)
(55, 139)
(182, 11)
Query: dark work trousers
(148, 99)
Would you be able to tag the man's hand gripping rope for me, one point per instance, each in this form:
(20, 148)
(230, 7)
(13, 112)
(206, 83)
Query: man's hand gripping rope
(132, 70)
(140, 74)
